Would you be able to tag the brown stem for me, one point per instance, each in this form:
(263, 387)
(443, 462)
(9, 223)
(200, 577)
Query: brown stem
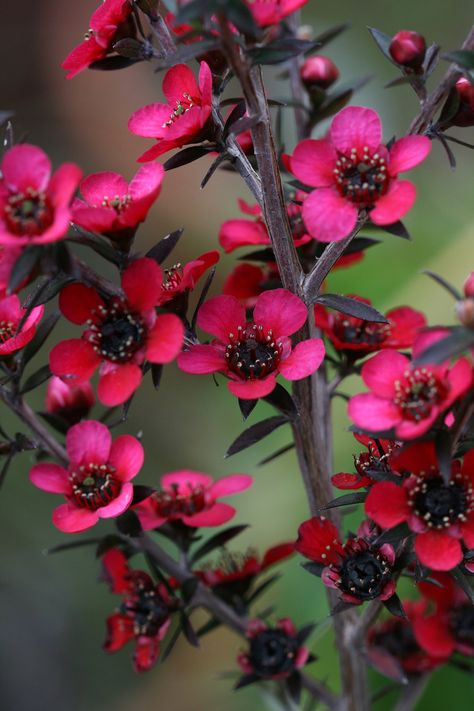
(84, 273)
(163, 35)
(412, 694)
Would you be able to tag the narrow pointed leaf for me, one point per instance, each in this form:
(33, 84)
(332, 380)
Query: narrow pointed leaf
(217, 541)
(255, 433)
(165, 246)
(352, 307)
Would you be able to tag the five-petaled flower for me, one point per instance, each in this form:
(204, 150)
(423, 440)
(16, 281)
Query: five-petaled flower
(96, 483)
(113, 207)
(251, 354)
(439, 512)
(183, 119)
(34, 205)
(359, 569)
(272, 12)
(122, 332)
(192, 498)
(179, 279)
(108, 24)
(370, 466)
(143, 615)
(12, 337)
(404, 396)
(352, 171)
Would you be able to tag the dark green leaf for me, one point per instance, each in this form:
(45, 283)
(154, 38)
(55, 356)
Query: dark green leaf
(463, 57)
(188, 630)
(314, 568)
(260, 255)
(170, 646)
(463, 581)
(217, 541)
(208, 626)
(445, 284)
(399, 81)
(24, 266)
(294, 686)
(346, 500)
(55, 421)
(188, 588)
(112, 63)
(443, 453)
(187, 52)
(360, 244)
(383, 43)
(331, 33)
(246, 680)
(393, 535)
(260, 589)
(450, 108)
(459, 340)
(352, 307)
(396, 228)
(187, 155)
(165, 246)
(71, 544)
(255, 433)
(38, 378)
(394, 606)
(156, 373)
(237, 113)
(281, 50)
(128, 523)
(140, 493)
(202, 296)
(221, 158)
(134, 49)
(149, 7)
(97, 243)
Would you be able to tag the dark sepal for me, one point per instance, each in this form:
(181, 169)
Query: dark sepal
(246, 680)
(255, 433)
(129, 524)
(134, 49)
(294, 685)
(393, 535)
(42, 332)
(260, 589)
(281, 50)
(70, 545)
(156, 373)
(97, 243)
(188, 630)
(187, 155)
(281, 399)
(112, 63)
(188, 588)
(304, 633)
(383, 41)
(55, 421)
(24, 266)
(314, 568)
(443, 454)
(112, 540)
(394, 606)
(165, 246)
(444, 283)
(140, 493)
(247, 407)
(208, 626)
(276, 454)
(463, 581)
(260, 255)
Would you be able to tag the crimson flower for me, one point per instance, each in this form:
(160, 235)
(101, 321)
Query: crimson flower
(121, 333)
(440, 513)
(183, 118)
(96, 483)
(352, 171)
(191, 497)
(34, 205)
(247, 281)
(407, 397)
(358, 569)
(113, 207)
(271, 12)
(143, 615)
(376, 461)
(8, 257)
(69, 401)
(273, 653)
(179, 279)
(359, 338)
(106, 26)
(243, 232)
(11, 315)
(251, 354)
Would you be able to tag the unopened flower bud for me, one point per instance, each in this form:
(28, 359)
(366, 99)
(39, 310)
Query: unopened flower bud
(71, 402)
(465, 113)
(469, 286)
(408, 49)
(465, 312)
(319, 71)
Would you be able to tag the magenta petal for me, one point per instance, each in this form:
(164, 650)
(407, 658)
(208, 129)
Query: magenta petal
(88, 442)
(141, 282)
(117, 383)
(356, 127)
(460, 378)
(148, 121)
(218, 514)
(185, 480)
(395, 203)
(146, 513)
(50, 477)
(328, 216)
(201, 360)
(25, 166)
(70, 519)
(73, 360)
(239, 233)
(232, 484)
(63, 183)
(304, 359)
(105, 184)
(408, 152)
(313, 163)
(165, 339)
(221, 316)
(126, 455)
(119, 504)
(280, 311)
(380, 372)
(373, 413)
(252, 389)
(177, 81)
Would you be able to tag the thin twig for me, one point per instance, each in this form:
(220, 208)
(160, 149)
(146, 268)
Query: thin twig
(412, 694)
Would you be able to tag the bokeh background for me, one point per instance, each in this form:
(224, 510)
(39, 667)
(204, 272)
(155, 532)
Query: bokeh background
(53, 608)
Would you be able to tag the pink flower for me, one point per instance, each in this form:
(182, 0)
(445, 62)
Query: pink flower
(34, 205)
(113, 207)
(11, 315)
(121, 333)
(69, 401)
(106, 26)
(352, 171)
(8, 257)
(271, 12)
(406, 397)
(191, 497)
(252, 354)
(182, 120)
(178, 279)
(96, 483)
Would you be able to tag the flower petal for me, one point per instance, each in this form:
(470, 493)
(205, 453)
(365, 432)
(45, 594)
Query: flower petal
(165, 339)
(408, 152)
(88, 443)
(71, 519)
(78, 302)
(179, 80)
(105, 184)
(201, 360)
(433, 635)
(221, 316)
(394, 204)
(313, 163)
(438, 551)
(232, 484)
(373, 413)
(356, 127)
(117, 383)
(119, 504)
(141, 282)
(387, 504)
(241, 233)
(304, 359)
(73, 360)
(25, 166)
(382, 370)
(280, 311)
(50, 477)
(126, 455)
(252, 389)
(328, 216)
(218, 514)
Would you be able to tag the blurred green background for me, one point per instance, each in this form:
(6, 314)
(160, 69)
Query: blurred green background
(53, 609)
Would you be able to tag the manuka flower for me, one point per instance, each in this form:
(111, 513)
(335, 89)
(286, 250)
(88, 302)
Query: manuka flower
(357, 337)
(247, 281)
(183, 119)
(440, 513)
(191, 497)
(113, 207)
(34, 205)
(13, 338)
(274, 652)
(121, 333)
(370, 466)
(358, 569)
(179, 279)
(252, 354)
(143, 615)
(69, 401)
(406, 397)
(450, 627)
(96, 483)
(272, 12)
(108, 24)
(352, 171)
(8, 257)
(244, 232)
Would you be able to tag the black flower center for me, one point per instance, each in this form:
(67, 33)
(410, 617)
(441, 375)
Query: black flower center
(359, 332)
(29, 213)
(253, 353)
(364, 574)
(272, 652)
(171, 503)
(362, 181)
(7, 330)
(462, 624)
(147, 608)
(418, 392)
(398, 640)
(94, 486)
(118, 334)
(440, 504)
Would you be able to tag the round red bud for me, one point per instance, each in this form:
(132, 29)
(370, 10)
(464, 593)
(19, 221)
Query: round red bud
(319, 71)
(408, 49)
(465, 113)
(465, 312)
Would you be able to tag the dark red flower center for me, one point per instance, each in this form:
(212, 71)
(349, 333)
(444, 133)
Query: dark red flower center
(397, 639)
(364, 574)
(172, 503)
(418, 392)
(375, 460)
(360, 333)
(439, 504)
(182, 106)
(7, 330)
(252, 352)
(272, 652)
(462, 624)
(94, 486)
(117, 333)
(361, 180)
(29, 213)
(146, 607)
(172, 277)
